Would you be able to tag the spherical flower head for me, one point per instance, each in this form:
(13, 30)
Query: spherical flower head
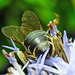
(42, 65)
(56, 65)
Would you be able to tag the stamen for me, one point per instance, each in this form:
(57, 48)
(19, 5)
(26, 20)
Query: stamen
(38, 61)
(50, 25)
(25, 65)
(44, 56)
(13, 44)
(55, 22)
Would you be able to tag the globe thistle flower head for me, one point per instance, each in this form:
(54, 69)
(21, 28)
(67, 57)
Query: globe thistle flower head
(44, 66)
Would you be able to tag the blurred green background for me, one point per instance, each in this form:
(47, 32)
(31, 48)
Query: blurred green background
(11, 12)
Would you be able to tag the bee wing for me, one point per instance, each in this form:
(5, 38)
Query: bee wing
(14, 33)
(30, 22)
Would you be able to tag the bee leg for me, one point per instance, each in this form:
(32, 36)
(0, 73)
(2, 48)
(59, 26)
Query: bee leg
(27, 50)
(52, 43)
(48, 32)
(29, 54)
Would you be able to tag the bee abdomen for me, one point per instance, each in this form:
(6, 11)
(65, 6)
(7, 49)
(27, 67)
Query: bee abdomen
(37, 39)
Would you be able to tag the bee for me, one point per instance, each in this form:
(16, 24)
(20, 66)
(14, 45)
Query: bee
(35, 40)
